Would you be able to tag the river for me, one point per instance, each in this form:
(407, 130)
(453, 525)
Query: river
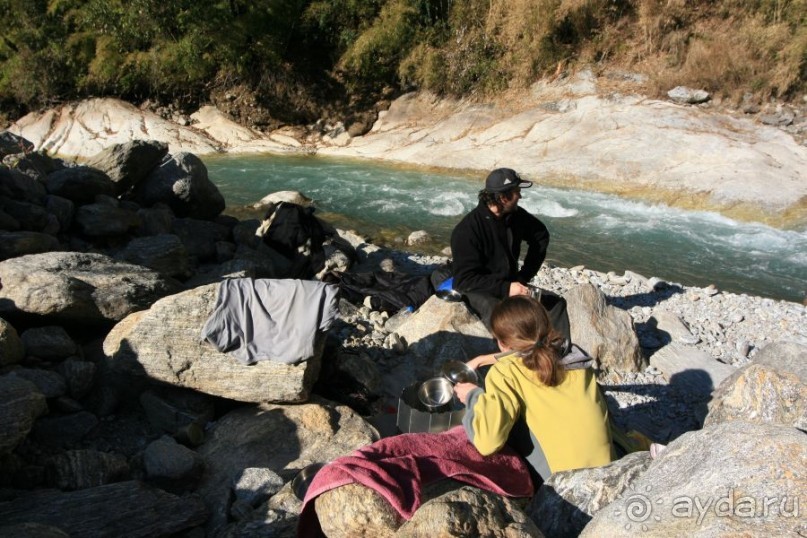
(602, 232)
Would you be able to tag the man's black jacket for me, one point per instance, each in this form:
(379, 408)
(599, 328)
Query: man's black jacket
(485, 250)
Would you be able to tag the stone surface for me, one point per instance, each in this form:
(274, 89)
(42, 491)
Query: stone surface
(354, 510)
(292, 197)
(690, 368)
(729, 479)
(172, 466)
(281, 438)
(167, 347)
(604, 332)
(129, 163)
(566, 502)
(181, 183)
(104, 220)
(20, 405)
(163, 253)
(79, 184)
(470, 511)
(14, 244)
(50, 342)
(130, 509)
(256, 484)
(773, 389)
(12, 350)
(78, 288)
(81, 469)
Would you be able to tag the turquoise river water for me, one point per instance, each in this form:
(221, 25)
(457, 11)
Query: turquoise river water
(600, 231)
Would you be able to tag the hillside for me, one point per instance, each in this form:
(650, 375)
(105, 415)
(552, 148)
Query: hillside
(275, 62)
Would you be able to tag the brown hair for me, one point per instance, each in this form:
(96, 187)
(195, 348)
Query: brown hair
(522, 324)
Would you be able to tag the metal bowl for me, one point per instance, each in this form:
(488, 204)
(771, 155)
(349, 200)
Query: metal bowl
(459, 372)
(451, 296)
(304, 478)
(435, 392)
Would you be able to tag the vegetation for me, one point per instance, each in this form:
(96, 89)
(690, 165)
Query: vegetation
(296, 55)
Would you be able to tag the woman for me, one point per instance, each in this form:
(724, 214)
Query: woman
(541, 401)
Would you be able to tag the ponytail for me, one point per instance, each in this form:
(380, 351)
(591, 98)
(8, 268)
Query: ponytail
(522, 323)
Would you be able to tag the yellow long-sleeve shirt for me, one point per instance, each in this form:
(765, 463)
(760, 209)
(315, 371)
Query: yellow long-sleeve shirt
(568, 424)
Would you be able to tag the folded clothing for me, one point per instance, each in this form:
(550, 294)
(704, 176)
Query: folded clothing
(398, 467)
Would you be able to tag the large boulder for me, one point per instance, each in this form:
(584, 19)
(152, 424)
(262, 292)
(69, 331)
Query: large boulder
(436, 332)
(280, 438)
(20, 405)
(772, 389)
(181, 182)
(603, 331)
(730, 479)
(129, 163)
(470, 511)
(164, 253)
(106, 219)
(12, 349)
(567, 501)
(164, 343)
(11, 144)
(79, 184)
(81, 469)
(16, 244)
(17, 186)
(78, 287)
(130, 509)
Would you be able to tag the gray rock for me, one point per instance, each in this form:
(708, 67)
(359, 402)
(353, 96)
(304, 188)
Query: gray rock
(172, 466)
(729, 479)
(17, 186)
(181, 182)
(49, 383)
(256, 484)
(104, 220)
(170, 409)
(567, 501)
(32, 530)
(12, 350)
(292, 197)
(63, 209)
(604, 332)
(80, 469)
(469, 511)
(20, 405)
(353, 511)
(15, 244)
(281, 438)
(361, 369)
(80, 376)
(772, 389)
(36, 164)
(690, 368)
(418, 238)
(8, 223)
(128, 164)
(51, 343)
(167, 347)
(65, 430)
(30, 217)
(200, 236)
(164, 253)
(688, 96)
(78, 288)
(79, 184)
(156, 220)
(671, 326)
(130, 509)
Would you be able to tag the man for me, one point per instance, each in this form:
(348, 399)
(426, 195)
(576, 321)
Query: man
(486, 245)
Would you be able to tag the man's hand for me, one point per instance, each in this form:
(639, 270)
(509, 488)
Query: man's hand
(461, 391)
(517, 288)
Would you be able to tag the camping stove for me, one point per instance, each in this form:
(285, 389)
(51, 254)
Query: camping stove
(415, 417)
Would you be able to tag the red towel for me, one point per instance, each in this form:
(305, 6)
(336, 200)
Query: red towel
(398, 467)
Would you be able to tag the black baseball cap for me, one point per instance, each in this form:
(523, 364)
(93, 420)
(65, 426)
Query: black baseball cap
(505, 179)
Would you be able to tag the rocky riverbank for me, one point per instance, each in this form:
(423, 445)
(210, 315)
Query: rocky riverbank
(582, 130)
(118, 419)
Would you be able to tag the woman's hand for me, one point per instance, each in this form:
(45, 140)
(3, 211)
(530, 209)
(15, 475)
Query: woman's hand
(461, 391)
(481, 360)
